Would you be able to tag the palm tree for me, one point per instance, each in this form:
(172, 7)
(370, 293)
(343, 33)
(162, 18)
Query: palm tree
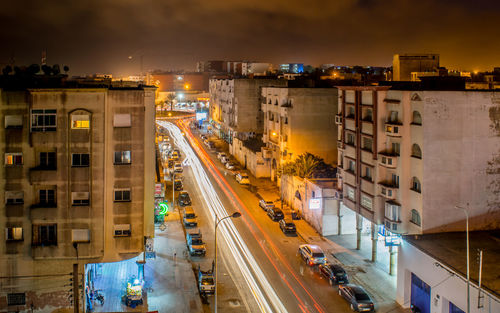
(170, 99)
(305, 164)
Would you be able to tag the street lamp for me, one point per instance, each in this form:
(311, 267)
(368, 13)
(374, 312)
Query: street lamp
(468, 260)
(234, 215)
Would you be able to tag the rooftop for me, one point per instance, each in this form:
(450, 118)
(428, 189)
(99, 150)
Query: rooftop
(450, 250)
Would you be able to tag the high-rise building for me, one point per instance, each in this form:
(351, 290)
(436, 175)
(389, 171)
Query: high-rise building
(76, 186)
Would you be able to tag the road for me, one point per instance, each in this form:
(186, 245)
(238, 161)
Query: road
(263, 262)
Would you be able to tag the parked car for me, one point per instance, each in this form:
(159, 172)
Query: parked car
(334, 273)
(243, 179)
(211, 144)
(203, 136)
(178, 167)
(189, 218)
(287, 226)
(220, 155)
(178, 184)
(275, 214)
(224, 159)
(266, 205)
(312, 254)
(230, 165)
(195, 244)
(184, 198)
(359, 300)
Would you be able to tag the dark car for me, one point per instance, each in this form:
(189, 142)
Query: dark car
(334, 273)
(178, 184)
(275, 214)
(287, 226)
(358, 298)
(184, 198)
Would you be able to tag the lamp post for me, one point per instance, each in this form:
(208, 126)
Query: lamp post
(234, 215)
(468, 260)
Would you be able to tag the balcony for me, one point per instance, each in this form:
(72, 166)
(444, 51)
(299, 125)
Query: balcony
(48, 204)
(338, 119)
(388, 159)
(392, 226)
(388, 190)
(393, 129)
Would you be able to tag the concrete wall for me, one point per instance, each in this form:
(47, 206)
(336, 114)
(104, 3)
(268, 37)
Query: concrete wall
(445, 287)
(258, 166)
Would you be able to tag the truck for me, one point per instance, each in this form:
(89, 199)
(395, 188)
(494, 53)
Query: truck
(195, 244)
(206, 281)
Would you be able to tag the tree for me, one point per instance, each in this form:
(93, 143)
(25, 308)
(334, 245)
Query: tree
(7, 70)
(47, 70)
(170, 99)
(33, 69)
(56, 70)
(66, 69)
(305, 165)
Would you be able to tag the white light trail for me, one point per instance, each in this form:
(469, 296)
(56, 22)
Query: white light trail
(265, 296)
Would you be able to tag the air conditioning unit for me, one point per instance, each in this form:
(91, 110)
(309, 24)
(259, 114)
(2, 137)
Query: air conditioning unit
(80, 235)
(122, 230)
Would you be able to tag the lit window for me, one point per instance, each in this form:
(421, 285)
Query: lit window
(13, 159)
(350, 193)
(14, 233)
(123, 157)
(392, 212)
(80, 122)
(122, 195)
(366, 202)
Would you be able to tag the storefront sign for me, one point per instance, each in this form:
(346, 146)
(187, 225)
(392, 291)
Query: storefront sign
(315, 204)
(158, 190)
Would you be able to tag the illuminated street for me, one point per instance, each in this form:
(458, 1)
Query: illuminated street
(280, 281)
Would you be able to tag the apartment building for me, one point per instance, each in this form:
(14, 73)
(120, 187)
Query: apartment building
(235, 105)
(296, 121)
(76, 186)
(408, 157)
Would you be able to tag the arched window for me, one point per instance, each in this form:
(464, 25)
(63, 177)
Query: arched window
(415, 151)
(415, 217)
(415, 185)
(417, 118)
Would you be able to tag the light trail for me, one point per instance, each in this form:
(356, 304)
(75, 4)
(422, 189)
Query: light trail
(232, 196)
(264, 294)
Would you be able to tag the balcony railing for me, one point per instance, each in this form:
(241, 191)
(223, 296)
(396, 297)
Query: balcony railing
(388, 190)
(388, 159)
(50, 204)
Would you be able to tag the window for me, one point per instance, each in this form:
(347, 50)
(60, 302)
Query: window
(415, 217)
(367, 144)
(14, 197)
(350, 112)
(13, 233)
(366, 202)
(80, 121)
(80, 198)
(350, 139)
(351, 193)
(122, 120)
(396, 147)
(286, 120)
(395, 180)
(13, 121)
(351, 166)
(122, 157)
(48, 160)
(393, 117)
(415, 185)
(80, 160)
(44, 235)
(368, 116)
(415, 151)
(43, 120)
(47, 197)
(392, 212)
(12, 159)
(368, 173)
(417, 118)
(122, 195)
(271, 116)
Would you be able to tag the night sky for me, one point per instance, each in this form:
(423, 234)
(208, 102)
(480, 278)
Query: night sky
(98, 35)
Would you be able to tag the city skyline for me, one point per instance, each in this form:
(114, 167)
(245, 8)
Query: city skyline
(100, 37)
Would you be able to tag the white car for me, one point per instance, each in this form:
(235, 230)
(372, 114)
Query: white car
(220, 155)
(224, 159)
(178, 168)
(230, 165)
(243, 179)
(312, 254)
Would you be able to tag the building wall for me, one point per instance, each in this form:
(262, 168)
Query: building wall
(404, 64)
(100, 141)
(254, 162)
(445, 287)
